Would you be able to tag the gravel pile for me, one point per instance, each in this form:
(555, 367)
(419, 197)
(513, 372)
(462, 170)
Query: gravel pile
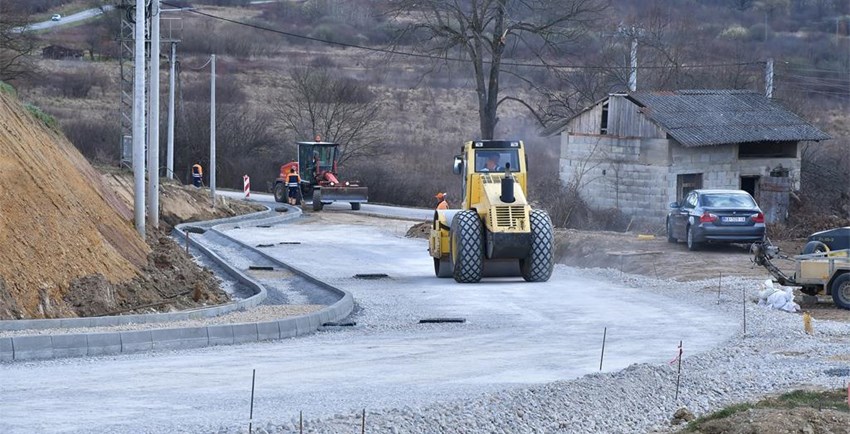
(775, 355)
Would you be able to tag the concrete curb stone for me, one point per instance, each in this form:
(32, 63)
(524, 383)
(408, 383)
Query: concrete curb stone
(90, 344)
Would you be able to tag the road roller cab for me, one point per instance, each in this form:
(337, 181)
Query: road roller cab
(495, 233)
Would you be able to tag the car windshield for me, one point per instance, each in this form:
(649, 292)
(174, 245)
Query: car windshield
(727, 200)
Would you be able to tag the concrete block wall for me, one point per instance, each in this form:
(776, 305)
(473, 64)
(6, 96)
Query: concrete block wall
(613, 175)
(639, 176)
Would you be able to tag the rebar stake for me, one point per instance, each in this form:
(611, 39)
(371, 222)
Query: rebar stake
(604, 334)
(251, 415)
(679, 371)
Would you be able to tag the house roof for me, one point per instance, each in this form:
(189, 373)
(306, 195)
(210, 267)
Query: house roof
(713, 117)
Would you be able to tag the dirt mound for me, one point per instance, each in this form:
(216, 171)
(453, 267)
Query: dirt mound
(419, 230)
(178, 203)
(772, 421)
(68, 246)
(58, 222)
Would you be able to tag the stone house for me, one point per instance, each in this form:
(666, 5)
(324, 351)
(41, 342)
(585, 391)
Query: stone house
(638, 152)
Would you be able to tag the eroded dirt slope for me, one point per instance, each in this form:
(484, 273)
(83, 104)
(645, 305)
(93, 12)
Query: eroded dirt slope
(58, 222)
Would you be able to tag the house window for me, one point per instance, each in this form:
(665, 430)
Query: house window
(767, 150)
(603, 124)
(686, 183)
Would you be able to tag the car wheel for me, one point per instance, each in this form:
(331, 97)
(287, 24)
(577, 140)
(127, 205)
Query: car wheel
(692, 245)
(841, 291)
(670, 237)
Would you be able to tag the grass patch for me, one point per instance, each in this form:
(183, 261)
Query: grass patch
(45, 118)
(7, 89)
(830, 399)
(720, 414)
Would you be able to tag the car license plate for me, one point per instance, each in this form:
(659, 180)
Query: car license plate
(734, 219)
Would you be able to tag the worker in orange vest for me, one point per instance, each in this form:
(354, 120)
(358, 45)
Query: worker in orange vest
(197, 175)
(442, 198)
(293, 186)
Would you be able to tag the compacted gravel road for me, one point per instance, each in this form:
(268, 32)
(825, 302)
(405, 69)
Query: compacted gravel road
(526, 359)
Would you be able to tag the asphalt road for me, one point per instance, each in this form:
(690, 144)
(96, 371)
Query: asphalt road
(73, 18)
(516, 334)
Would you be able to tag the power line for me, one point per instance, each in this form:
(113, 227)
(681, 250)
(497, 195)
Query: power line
(800, 68)
(815, 79)
(446, 58)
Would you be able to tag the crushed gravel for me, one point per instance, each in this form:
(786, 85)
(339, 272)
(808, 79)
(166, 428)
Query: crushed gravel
(773, 356)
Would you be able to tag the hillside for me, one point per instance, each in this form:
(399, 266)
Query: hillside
(67, 243)
(58, 222)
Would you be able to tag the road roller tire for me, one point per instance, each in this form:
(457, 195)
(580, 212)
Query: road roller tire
(467, 248)
(537, 267)
(442, 268)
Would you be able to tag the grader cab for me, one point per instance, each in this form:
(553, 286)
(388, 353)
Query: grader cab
(496, 233)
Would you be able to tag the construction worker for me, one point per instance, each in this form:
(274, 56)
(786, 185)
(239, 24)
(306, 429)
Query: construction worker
(444, 204)
(492, 163)
(197, 175)
(293, 186)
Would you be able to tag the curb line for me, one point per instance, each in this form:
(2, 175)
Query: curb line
(91, 344)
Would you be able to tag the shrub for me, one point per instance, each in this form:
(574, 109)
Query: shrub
(97, 139)
(8, 89)
(48, 120)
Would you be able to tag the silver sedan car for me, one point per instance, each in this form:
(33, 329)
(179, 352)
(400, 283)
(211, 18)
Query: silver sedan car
(725, 216)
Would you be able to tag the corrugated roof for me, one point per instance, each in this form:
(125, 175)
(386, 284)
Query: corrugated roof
(713, 117)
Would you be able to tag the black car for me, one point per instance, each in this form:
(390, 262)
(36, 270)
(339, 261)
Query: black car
(726, 216)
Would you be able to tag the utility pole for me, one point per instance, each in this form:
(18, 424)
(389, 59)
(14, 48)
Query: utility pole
(153, 121)
(633, 33)
(170, 151)
(633, 72)
(768, 78)
(139, 120)
(212, 130)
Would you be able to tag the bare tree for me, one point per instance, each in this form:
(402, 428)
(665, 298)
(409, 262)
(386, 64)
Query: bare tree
(489, 31)
(340, 110)
(16, 43)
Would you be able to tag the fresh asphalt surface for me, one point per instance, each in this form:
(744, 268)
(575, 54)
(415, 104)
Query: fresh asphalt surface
(516, 334)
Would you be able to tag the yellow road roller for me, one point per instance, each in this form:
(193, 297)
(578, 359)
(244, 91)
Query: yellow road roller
(496, 233)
